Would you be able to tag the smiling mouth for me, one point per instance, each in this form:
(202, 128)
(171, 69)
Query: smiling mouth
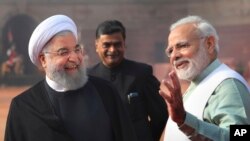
(181, 65)
(71, 67)
(112, 56)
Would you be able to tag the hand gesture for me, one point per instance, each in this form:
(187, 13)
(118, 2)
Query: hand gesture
(170, 90)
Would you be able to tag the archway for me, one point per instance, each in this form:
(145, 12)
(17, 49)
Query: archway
(17, 31)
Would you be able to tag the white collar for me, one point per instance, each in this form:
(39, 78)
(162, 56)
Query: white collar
(55, 86)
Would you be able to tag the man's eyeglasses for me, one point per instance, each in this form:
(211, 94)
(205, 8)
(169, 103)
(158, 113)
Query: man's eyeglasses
(63, 52)
(180, 47)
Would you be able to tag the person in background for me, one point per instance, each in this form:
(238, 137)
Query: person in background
(137, 86)
(67, 105)
(217, 96)
(14, 63)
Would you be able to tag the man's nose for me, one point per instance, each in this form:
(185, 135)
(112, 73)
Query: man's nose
(74, 56)
(112, 48)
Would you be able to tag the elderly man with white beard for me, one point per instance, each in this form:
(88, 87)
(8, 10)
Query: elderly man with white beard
(67, 105)
(217, 96)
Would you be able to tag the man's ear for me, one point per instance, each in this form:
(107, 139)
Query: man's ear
(210, 44)
(96, 45)
(42, 60)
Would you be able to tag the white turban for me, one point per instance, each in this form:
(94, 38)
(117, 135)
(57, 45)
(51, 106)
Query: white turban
(45, 31)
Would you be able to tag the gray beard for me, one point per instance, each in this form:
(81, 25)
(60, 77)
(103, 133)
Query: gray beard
(196, 65)
(72, 81)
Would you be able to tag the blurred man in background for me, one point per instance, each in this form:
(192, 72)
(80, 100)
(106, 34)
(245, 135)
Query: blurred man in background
(135, 82)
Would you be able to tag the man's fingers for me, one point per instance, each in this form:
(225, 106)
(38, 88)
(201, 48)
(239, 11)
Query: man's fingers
(175, 80)
(168, 85)
(165, 96)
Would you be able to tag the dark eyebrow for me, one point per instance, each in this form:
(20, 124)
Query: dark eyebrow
(78, 45)
(62, 48)
(107, 43)
(111, 42)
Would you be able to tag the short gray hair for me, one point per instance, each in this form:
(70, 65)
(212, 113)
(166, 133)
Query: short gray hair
(204, 28)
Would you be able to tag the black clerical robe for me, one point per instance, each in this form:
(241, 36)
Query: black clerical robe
(32, 116)
(139, 91)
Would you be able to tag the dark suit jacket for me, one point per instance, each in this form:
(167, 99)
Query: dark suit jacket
(32, 118)
(138, 89)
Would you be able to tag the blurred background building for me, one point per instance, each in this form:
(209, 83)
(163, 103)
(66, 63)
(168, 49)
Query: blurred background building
(147, 23)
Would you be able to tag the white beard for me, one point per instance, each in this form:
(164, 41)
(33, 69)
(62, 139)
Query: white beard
(196, 65)
(69, 81)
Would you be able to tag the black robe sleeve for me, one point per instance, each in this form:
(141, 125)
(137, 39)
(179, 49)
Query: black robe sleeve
(31, 118)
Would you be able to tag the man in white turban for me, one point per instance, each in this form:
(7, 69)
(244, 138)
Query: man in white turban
(67, 105)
